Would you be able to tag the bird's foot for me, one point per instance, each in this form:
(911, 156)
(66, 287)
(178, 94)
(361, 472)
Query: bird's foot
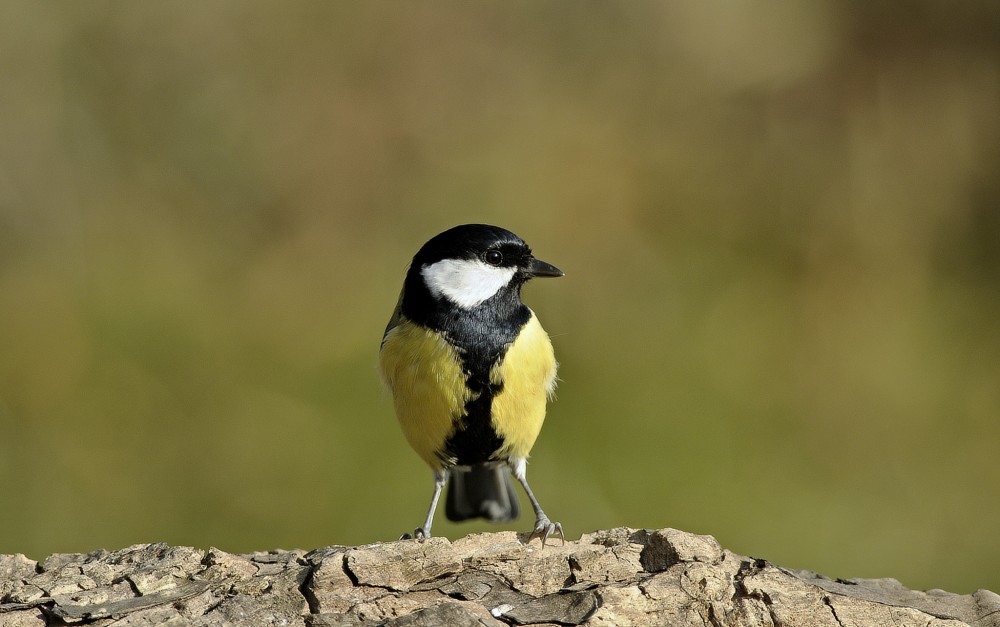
(420, 534)
(545, 528)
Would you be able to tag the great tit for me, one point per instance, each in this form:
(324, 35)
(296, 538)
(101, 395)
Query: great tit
(470, 370)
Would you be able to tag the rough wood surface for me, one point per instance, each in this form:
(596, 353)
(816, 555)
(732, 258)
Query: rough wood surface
(614, 577)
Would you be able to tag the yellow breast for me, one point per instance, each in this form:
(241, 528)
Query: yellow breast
(424, 374)
(527, 373)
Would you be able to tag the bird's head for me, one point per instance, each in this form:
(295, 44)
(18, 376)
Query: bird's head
(468, 264)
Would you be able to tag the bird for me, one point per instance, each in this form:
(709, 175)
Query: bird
(470, 371)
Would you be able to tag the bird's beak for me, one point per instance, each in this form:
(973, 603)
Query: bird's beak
(537, 267)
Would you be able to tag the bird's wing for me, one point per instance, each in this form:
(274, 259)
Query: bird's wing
(397, 317)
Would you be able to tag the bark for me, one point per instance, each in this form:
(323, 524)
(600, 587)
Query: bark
(613, 577)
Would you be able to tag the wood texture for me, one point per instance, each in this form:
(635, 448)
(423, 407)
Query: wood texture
(613, 577)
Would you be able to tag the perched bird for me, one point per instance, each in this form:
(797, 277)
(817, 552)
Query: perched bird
(470, 370)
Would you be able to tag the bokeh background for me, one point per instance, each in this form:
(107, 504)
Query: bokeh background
(779, 225)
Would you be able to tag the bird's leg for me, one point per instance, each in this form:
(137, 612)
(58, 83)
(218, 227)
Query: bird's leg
(422, 533)
(543, 526)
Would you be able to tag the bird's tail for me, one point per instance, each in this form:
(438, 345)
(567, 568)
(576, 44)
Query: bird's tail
(481, 491)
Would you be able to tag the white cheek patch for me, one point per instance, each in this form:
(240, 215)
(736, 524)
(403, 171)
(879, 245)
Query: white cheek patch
(465, 282)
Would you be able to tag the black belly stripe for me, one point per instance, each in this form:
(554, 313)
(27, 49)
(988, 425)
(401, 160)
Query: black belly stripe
(474, 440)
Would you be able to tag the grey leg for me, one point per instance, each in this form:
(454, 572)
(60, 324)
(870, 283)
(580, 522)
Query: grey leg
(543, 526)
(422, 533)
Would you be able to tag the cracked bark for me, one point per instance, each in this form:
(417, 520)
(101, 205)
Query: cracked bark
(613, 577)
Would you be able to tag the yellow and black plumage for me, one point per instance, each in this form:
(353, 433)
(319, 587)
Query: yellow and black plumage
(470, 370)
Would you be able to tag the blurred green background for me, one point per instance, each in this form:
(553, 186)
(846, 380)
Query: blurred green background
(779, 225)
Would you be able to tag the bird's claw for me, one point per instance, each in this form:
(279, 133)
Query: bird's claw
(419, 534)
(545, 528)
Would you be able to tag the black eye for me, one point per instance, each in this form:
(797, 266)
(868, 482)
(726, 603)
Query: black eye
(493, 257)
